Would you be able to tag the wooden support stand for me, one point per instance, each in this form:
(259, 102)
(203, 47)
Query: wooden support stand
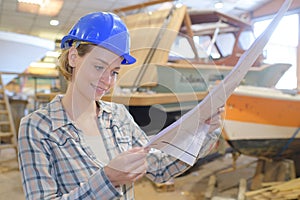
(274, 180)
(272, 171)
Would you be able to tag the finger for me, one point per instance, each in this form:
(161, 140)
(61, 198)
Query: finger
(138, 173)
(126, 162)
(147, 149)
(140, 168)
(136, 156)
(135, 150)
(133, 175)
(130, 178)
(139, 177)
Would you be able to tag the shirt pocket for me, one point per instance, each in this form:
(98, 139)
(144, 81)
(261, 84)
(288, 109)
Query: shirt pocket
(123, 140)
(124, 143)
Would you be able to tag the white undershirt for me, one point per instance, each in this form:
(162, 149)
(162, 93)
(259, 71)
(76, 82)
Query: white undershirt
(95, 142)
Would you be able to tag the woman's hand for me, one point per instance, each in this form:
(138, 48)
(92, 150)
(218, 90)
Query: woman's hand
(216, 120)
(127, 167)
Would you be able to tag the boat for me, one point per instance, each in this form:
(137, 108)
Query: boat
(195, 47)
(263, 122)
(181, 59)
(175, 70)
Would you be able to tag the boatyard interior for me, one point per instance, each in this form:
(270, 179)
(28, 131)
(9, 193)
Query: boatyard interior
(184, 50)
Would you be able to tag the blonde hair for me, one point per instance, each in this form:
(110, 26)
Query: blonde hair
(63, 61)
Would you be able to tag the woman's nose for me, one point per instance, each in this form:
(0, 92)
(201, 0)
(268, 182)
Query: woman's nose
(106, 77)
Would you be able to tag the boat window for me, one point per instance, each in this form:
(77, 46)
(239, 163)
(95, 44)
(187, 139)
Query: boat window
(246, 39)
(225, 43)
(181, 49)
(204, 48)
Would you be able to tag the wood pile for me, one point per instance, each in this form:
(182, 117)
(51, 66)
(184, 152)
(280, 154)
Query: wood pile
(289, 190)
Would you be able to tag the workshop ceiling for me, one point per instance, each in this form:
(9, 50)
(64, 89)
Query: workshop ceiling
(12, 19)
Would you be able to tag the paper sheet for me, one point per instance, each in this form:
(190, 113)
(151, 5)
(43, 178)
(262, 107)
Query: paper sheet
(184, 138)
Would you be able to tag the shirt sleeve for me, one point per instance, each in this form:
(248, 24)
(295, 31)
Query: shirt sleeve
(36, 170)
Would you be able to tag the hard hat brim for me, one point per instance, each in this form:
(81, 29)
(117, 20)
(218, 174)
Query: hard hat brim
(128, 59)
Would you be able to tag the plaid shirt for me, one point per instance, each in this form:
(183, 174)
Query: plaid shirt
(56, 163)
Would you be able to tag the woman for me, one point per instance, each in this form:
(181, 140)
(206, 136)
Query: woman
(79, 147)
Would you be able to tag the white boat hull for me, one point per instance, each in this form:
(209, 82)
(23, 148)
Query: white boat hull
(263, 122)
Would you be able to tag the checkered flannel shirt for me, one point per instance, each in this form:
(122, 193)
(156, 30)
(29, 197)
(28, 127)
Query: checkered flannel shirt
(56, 163)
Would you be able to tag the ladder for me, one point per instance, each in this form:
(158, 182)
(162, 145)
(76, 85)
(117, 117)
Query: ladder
(8, 138)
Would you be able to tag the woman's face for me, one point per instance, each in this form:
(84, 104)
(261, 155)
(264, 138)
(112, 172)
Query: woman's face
(96, 72)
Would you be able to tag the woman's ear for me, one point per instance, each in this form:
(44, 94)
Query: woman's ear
(72, 56)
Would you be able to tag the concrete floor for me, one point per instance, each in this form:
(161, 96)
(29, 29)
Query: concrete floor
(10, 179)
(191, 186)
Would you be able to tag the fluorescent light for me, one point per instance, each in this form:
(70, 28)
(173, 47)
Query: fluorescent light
(54, 22)
(219, 5)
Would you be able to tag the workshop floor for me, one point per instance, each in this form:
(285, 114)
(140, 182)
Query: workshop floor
(191, 186)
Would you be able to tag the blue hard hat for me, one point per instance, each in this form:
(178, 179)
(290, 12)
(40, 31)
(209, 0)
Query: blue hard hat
(104, 29)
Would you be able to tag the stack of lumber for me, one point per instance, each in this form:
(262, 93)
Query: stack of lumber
(277, 191)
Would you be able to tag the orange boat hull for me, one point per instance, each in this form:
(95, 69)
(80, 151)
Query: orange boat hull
(263, 122)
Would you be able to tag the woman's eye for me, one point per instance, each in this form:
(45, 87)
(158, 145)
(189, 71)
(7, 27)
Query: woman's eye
(99, 67)
(115, 73)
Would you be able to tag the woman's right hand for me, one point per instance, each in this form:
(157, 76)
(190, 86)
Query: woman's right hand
(127, 167)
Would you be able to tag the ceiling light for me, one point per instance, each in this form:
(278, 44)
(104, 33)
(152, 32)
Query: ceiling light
(219, 5)
(54, 22)
(38, 2)
(41, 7)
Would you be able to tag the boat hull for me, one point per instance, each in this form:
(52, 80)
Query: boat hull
(263, 122)
(272, 148)
(199, 77)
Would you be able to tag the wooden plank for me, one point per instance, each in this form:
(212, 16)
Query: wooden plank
(165, 187)
(242, 189)
(211, 187)
(3, 112)
(4, 123)
(287, 186)
(144, 99)
(188, 25)
(269, 184)
(5, 134)
(258, 176)
(7, 146)
(222, 198)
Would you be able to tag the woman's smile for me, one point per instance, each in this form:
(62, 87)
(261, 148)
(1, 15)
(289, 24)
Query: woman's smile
(99, 89)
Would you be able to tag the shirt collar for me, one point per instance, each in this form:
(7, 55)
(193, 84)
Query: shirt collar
(105, 106)
(59, 115)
